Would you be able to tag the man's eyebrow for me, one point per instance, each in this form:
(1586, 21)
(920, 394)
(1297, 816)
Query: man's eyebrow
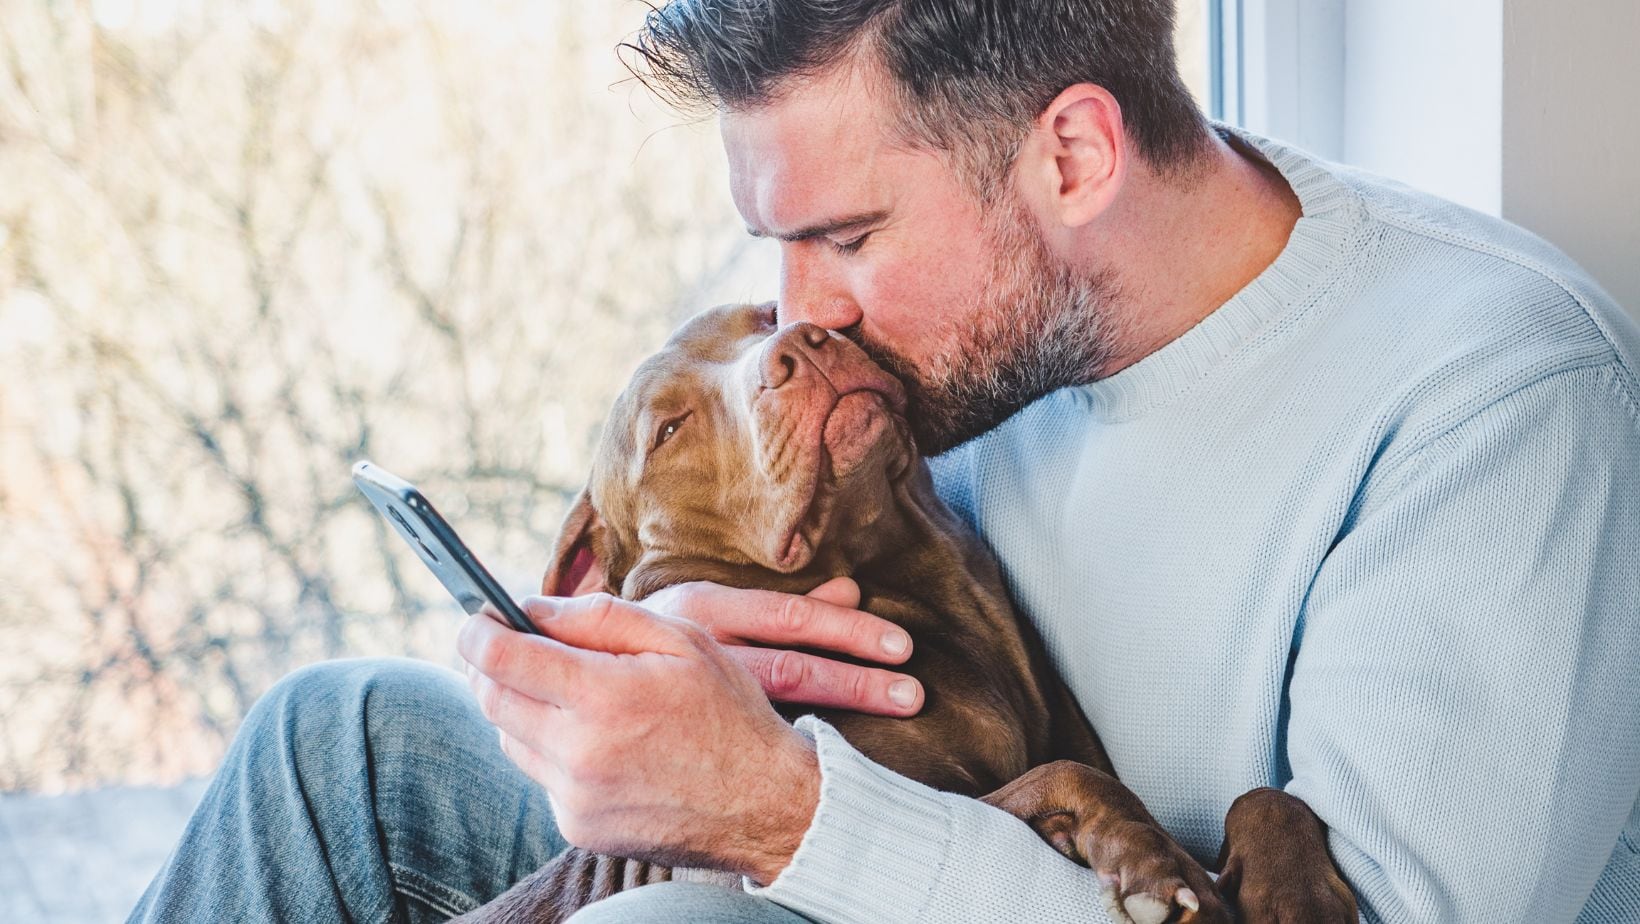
(824, 229)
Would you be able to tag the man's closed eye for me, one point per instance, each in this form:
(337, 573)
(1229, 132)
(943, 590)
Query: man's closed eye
(850, 247)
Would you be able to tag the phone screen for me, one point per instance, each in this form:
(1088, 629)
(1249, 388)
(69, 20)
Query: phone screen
(437, 545)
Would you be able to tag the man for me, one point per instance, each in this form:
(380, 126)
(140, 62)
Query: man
(1307, 479)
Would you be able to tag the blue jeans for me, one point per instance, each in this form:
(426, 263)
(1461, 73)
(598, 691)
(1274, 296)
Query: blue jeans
(375, 791)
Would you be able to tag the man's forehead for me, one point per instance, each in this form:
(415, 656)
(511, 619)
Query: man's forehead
(814, 155)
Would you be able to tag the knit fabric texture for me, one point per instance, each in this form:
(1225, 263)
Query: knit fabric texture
(1369, 532)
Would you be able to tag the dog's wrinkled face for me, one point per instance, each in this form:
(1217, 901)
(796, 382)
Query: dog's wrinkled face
(738, 447)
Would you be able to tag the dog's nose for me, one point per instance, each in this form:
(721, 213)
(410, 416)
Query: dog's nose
(785, 356)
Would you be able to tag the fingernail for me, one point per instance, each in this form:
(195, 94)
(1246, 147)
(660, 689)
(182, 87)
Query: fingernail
(903, 692)
(895, 643)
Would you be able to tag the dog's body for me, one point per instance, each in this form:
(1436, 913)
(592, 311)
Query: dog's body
(780, 460)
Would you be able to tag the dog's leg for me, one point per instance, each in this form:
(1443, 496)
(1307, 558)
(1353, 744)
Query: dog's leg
(1089, 816)
(1275, 866)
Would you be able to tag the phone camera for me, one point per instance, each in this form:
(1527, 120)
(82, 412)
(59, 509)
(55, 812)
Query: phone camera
(410, 532)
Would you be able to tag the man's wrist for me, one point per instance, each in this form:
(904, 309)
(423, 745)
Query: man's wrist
(793, 812)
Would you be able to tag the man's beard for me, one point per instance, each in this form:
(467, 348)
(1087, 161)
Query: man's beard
(1040, 326)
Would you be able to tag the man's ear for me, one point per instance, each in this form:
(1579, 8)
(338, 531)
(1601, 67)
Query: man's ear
(1076, 160)
(575, 568)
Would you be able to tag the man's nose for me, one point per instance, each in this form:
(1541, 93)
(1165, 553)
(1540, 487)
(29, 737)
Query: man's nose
(789, 354)
(811, 291)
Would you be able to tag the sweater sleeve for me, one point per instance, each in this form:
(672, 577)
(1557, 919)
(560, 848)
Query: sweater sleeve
(886, 848)
(1464, 711)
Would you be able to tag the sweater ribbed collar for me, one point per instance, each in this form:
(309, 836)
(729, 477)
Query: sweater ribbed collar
(1331, 217)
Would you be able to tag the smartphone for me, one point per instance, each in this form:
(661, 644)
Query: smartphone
(437, 545)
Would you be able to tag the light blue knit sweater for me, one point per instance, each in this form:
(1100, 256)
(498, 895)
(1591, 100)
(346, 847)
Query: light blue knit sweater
(1369, 532)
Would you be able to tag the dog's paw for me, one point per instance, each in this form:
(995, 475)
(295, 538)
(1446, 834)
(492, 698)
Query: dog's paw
(1299, 894)
(1146, 878)
(1144, 875)
(1275, 867)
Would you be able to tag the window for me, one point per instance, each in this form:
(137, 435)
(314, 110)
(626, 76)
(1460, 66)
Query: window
(1194, 44)
(246, 243)
(243, 244)
(1277, 68)
(1208, 43)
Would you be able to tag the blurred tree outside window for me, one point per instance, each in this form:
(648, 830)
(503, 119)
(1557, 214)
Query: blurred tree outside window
(244, 243)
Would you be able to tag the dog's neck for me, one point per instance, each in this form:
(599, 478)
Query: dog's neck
(922, 551)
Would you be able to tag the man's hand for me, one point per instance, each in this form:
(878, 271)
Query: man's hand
(651, 741)
(825, 619)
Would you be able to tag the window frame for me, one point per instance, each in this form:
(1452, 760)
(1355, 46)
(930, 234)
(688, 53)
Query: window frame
(1277, 68)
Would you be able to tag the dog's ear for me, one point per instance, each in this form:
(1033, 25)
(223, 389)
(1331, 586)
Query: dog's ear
(575, 568)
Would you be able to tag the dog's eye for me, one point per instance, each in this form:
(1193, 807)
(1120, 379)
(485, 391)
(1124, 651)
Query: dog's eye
(668, 430)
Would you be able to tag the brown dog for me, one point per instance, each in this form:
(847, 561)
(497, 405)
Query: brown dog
(778, 459)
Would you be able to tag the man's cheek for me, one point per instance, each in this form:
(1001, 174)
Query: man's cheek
(894, 305)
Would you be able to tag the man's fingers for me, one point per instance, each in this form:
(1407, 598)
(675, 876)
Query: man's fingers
(546, 668)
(600, 622)
(534, 764)
(515, 713)
(795, 677)
(812, 622)
(839, 591)
(772, 618)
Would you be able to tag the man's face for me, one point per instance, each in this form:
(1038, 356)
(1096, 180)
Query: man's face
(889, 246)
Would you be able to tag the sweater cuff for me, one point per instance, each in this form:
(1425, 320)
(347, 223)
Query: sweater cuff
(876, 846)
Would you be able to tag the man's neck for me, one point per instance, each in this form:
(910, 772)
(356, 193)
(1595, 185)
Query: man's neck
(1185, 247)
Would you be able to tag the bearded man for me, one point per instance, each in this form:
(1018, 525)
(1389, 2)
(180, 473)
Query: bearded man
(1308, 480)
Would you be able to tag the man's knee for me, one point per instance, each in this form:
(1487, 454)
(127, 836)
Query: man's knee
(685, 901)
(353, 685)
(332, 704)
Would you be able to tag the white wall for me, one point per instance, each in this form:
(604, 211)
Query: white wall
(1571, 136)
(1520, 108)
(1423, 95)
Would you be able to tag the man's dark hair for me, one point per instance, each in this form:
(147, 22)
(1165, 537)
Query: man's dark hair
(970, 75)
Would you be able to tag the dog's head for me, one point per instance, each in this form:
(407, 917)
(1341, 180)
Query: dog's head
(738, 452)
